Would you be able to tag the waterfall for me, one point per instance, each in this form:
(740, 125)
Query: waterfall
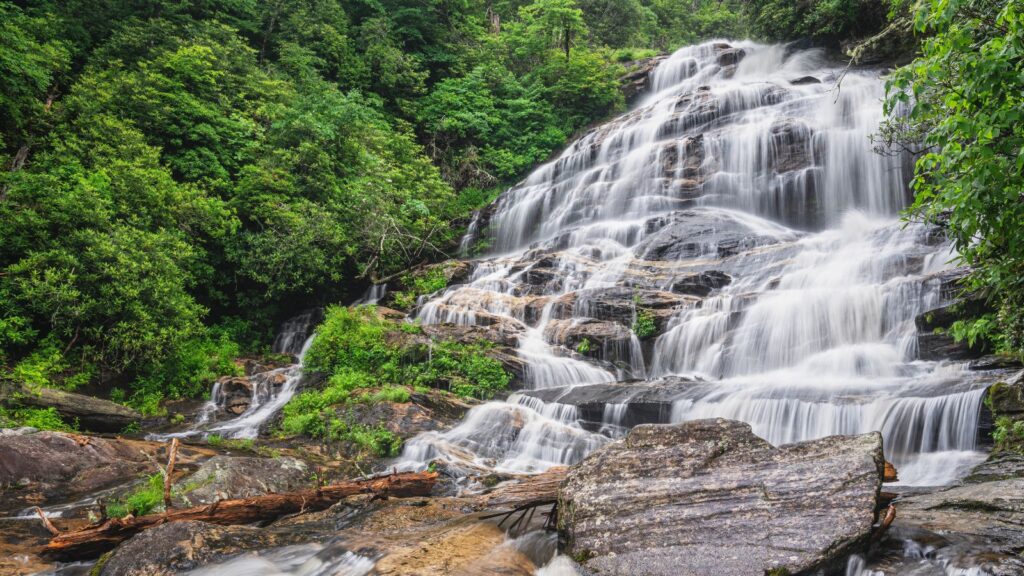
(741, 207)
(271, 390)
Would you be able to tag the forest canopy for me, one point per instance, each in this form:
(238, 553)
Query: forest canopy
(182, 175)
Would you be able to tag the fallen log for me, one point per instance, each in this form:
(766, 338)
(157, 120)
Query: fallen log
(91, 413)
(97, 539)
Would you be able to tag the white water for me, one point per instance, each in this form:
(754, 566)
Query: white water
(743, 172)
(268, 396)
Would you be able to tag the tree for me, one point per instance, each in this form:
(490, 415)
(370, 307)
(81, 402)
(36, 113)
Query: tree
(962, 102)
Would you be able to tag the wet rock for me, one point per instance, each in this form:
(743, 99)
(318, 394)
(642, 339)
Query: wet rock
(791, 142)
(54, 464)
(235, 394)
(695, 233)
(999, 466)
(1007, 398)
(181, 546)
(620, 303)
(637, 401)
(605, 340)
(804, 80)
(225, 477)
(502, 331)
(933, 340)
(710, 497)
(987, 514)
(701, 283)
(636, 79)
(728, 56)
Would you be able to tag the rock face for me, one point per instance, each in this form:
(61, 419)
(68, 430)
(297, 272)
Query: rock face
(934, 343)
(641, 402)
(56, 464)
(710, 497)
(181, 546)
(977, 526)
(224, 477)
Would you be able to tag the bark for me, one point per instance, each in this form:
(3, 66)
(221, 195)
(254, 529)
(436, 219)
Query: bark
(95, 540)
(92, 413)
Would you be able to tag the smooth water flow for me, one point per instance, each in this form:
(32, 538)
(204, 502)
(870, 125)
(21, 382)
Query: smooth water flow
(271, 390)
(740, 213)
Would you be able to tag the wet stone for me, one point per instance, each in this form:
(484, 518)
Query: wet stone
(710, 497)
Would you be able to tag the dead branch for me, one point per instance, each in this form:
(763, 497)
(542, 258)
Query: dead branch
(46, 522)
(97, 539)
(169, 474)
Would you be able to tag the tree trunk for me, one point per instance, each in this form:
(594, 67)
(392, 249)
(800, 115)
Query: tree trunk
(95, 540)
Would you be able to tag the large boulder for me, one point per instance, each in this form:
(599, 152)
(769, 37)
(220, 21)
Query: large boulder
(53, 465)
(226, 477)
(710, 497)
(177, 547)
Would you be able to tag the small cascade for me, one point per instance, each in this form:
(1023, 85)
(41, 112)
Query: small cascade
(374, 294)
(296, 331)
(734, 228)
(522, 435)
(270, 391)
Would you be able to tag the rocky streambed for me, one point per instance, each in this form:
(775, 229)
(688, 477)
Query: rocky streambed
(700, 497)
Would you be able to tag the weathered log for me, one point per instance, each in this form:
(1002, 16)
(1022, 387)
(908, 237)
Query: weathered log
(95, 540)
(169, 473)
(91, 413)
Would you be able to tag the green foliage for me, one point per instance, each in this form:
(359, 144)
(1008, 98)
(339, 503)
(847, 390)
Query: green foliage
(1008, 434)
(140, 501)
(960, 105)
(41, 418)
(644, 325)
(370, 360)
(177, 174)
(829, 20)
(584, 346)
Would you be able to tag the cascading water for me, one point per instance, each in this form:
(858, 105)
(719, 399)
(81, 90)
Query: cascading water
(270, 390)
(740, 209)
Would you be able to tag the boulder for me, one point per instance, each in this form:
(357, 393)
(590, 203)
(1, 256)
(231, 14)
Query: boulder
(697, 233)
(710, 497)
(234, 394)
(57, 465)
(226, 477)
(631, 402)
(181, 546)
(601, 339)
(804, 80)
(791, 145)
(701, 283)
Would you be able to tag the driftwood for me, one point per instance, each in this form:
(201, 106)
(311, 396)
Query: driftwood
(94, 540)
(524, 498)
(169, 473)
(92, 413)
